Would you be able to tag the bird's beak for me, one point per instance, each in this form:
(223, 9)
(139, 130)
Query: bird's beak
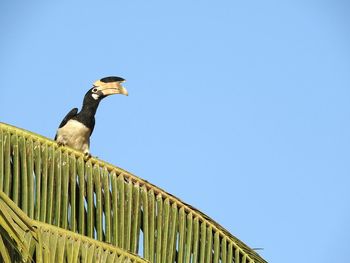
(111, 88)
(123, 90)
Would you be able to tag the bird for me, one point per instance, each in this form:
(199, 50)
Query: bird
(76, 127)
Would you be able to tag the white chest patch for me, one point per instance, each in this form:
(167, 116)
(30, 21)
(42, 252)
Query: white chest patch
(74, 134)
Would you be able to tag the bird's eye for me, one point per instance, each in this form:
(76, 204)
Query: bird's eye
(94, 90)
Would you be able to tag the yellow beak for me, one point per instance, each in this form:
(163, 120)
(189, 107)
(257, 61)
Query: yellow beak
(111, 88)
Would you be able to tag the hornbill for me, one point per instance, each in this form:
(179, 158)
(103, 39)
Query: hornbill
(76, 128)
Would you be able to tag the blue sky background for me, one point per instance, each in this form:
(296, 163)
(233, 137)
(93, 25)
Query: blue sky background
(239, 108)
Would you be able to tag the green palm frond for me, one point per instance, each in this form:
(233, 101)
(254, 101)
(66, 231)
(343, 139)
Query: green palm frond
(57, 186)
(39, 242)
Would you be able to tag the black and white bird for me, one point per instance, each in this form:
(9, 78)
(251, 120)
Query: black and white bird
(76, 128)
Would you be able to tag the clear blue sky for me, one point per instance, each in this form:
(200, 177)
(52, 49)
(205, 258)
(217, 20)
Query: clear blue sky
(240, 108)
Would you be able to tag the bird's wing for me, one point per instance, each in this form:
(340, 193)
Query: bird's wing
(69, 116)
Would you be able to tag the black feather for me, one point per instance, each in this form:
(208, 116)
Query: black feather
(69, 116)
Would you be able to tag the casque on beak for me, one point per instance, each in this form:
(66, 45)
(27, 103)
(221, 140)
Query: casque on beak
(111, 88)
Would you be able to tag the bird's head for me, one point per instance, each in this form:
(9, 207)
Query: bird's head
(107, 86)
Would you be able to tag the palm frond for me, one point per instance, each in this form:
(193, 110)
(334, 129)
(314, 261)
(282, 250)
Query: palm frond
(39, 242)
(57, 186)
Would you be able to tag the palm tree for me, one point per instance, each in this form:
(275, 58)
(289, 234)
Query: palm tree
(56, 206)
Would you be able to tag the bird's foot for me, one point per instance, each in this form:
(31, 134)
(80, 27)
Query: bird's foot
(59, 143)
(87, 156)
